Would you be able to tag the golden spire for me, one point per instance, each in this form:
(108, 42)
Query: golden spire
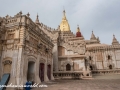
(64, 26)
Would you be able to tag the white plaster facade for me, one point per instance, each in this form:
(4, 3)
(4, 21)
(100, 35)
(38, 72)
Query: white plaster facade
(23, 47)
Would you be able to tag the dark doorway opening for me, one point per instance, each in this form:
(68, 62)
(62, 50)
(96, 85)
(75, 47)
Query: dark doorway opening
(68, 67)
(110, 66)
(31, 71)
(41, 71)
(90, 58)
(91, 68)
(109, 57)
(49, 72)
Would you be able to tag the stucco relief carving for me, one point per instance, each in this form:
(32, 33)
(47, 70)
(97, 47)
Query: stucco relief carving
(81, 48)
(7, 62)
(9, 46)
(49, 62)
(42, 60)
(68, 62)
(29, 50)
(78, 47)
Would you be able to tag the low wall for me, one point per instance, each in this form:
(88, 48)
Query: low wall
(67, 75)
(114, 71)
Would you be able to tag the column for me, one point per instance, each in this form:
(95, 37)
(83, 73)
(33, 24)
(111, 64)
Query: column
(52, 78)
(55, 56)
(45, 72)
(37, 78)
(13, 68)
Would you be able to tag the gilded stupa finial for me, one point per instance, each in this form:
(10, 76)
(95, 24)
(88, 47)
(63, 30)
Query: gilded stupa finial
(64, 26)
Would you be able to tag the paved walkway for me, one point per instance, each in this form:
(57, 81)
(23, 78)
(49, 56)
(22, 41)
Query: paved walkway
(101, 82)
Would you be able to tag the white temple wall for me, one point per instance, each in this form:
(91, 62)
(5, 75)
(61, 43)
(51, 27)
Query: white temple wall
(99, 65)
(68, 52)
(81, 64)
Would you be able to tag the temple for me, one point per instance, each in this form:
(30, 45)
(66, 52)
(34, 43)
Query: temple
(32, 51)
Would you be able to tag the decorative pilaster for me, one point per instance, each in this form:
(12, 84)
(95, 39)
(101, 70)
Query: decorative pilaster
(52, 78)
(55, 56)
(45, 73)
(37, 78)
(19, 74)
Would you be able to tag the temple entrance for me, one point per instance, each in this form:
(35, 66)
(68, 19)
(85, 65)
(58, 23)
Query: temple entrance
(110, 66)
(49, 72)
(68, 67)
(31, 71)
(41, 71)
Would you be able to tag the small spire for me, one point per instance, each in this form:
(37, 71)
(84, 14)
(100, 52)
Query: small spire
(64, 16)
(78, 33)
(113, 36)
(37, 19)
(7, 16)
(92, 36)
(28, 14)
(115, 42)
(20, 12)
(58, 27)
(98, 39)
(78, 29)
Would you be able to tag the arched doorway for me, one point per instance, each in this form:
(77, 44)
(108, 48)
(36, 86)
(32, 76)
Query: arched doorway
(49, 72)
(31, 71)
(110, 66)
(41, 71)
(68, 67)
(91, 68)
(7, 66)
(109, 57)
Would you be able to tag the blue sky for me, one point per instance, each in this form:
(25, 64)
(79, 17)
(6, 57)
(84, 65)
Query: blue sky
(101, 16)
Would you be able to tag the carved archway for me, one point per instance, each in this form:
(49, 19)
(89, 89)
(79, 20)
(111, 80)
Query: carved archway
(66, 63)
(110, 67)
(30, 68)
(68, 67)
(7, 66)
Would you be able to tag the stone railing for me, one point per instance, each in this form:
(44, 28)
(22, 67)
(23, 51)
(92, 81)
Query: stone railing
(114, 71)
(67, 75)
(45, 27)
